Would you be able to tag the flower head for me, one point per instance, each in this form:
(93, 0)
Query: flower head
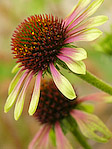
(43, 43)
(59, 116)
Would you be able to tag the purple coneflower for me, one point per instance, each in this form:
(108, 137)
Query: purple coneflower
(43, 43)
(59, 115)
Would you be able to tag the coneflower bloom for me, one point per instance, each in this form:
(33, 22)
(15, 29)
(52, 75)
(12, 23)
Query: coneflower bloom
(43, 43)
(57, 114)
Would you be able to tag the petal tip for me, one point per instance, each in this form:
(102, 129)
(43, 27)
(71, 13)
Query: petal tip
(71, 96)
(31, 111)
(6, 108)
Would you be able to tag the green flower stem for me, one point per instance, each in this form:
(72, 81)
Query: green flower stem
(93, 80)
(71, 125)
(80, 138)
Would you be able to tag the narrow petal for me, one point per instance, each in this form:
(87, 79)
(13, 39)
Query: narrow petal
(91, 126)
(76, 11)
(85, 35)
(36, 94)
(62, 83)
(88, 12)
(76, 54)
(90, 23)
(20, 100)
(14, 81)
(15, 68)
(12, 97)
(96, 97)
(44, 130)
(44, 141)
(62, 142)
(75, 66)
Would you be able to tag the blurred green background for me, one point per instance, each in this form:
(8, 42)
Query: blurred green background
(17, 135)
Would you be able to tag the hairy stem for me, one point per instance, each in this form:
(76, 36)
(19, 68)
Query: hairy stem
(96, 82)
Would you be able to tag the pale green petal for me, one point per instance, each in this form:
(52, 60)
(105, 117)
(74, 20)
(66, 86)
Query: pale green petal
(79, 55)
(76, 54)
(15, 68)
(93, 7)
(14, 81)
(36, 95)
(83, 3)
(10, 100)
(77, 67)
(20, 101)
(90, 23)
(19, 105)
(89, 34)
(91, 126)
(13, 95)
(96, 21)
(62, 83)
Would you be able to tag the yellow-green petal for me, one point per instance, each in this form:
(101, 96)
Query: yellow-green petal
(79, 55)
(36, 95)
(93, 7)
(62, 83)
(13, 95)
(15, 68)
(14, 81)
(89, 34)
(96, 21)
(77, 67)
(21, 98)
(19, 105)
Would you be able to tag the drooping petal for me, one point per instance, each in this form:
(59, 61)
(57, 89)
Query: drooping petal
(12, 97)
(61, 141)
(76, 11)
(88, 12)
(91, 126)
(44, 142)
(41, 134)
(75, 66)
(90, 23)
(14, 81)
(20, 100)
(85, 35)
(15, 68)
(62, 83)
(76, 54)
(36, 94)
(96, 97)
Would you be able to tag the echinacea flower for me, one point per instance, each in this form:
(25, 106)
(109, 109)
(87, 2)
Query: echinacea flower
(43, 43)
(58, 116)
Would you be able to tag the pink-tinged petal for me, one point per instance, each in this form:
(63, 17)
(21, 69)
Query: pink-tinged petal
(61, 140)
(21, 98)
(37, 140)
(96, 97)
(75, 66)
(88, 12)
(36, 94)
(76, 11)
(14, 81)
(75, 54)
(44, 142)
(62, 83)
(91, 126)
(90, 23)
(16, 68)
(85, 35)
(12, 97)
